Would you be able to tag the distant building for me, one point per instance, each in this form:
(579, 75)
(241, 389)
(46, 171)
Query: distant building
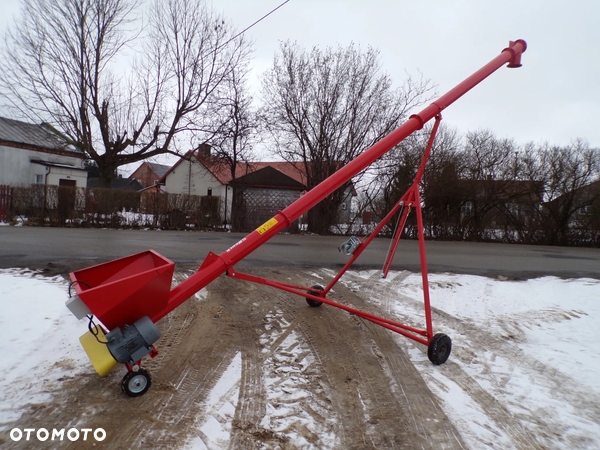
(577, 208)
(498, 199)
(149, 173)
(123, 184)
(262, 193)
(38, 154)
(261, 188)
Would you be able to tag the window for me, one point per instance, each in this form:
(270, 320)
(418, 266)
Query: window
(467, 209)
(39, 179)
(209, 192)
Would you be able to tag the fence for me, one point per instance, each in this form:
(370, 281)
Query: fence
(5, 197)
(77, 207)
(87, 207)
(254, 206)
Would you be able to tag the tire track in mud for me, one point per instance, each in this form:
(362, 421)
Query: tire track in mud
(500, 415)
(379, 396)
(279, 395)
(186, 372)
(311, 378)
(346, 389)
(416, 401)
(525, 431)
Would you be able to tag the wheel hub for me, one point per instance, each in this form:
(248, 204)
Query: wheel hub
(137, 383)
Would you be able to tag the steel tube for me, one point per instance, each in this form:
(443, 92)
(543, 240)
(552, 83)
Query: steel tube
(283, 219)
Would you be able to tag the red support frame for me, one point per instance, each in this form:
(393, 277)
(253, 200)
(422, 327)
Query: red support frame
(405, 330)
(410, 199)
(136, 286)
(215, 265)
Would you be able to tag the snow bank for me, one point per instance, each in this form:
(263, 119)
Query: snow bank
(39, 340)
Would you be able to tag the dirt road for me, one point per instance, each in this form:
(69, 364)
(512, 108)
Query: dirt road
(314, 378)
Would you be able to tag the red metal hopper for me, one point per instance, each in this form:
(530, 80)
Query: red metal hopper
(122, 291)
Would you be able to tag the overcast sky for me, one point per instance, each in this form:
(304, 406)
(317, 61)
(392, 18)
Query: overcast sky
(554, 97)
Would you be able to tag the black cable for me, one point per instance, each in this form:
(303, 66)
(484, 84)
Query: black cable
(77, 281)
(94, 329)
(247, 28)
(91, 324)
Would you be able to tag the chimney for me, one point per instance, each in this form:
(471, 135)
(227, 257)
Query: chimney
(204, 150)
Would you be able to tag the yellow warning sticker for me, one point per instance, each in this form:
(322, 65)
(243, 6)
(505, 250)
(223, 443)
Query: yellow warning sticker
(267, 226)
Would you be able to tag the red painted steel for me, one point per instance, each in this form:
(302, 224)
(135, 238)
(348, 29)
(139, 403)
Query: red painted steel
(389, 324)
(122, 292)
(283, 219)
(415, 185)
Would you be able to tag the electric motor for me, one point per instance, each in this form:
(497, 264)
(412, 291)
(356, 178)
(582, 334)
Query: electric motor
(133, 342)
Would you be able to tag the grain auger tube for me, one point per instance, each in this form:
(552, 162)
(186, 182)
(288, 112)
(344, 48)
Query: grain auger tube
(129, 295)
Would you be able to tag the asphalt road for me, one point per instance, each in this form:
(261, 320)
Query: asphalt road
(37, 247)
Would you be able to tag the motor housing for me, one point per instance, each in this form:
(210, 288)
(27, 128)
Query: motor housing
(133, 342)
(350, 245)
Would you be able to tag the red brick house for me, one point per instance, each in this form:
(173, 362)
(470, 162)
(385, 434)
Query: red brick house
(149, 173)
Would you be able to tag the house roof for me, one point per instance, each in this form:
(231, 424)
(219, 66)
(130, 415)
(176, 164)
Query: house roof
(269, 177)
(222, 172)
(53, 164)
(159, 169)
(41, 136)
(123, 184)
(589, 192)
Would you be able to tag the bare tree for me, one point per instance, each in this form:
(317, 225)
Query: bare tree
(570, 175)
(396, 172)
(63, 64)
(488, 179)
(234, 141)
(235, 137)
(324, 107)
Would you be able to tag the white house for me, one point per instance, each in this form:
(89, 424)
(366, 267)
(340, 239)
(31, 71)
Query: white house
(196, 173)
(190, 176)
(38, 154)
(265, 187)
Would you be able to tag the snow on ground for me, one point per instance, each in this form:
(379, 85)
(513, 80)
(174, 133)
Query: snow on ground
(524, 365)
(214, 428)
(39, 340)
(289, 371)
(294, 394)
(525, 361)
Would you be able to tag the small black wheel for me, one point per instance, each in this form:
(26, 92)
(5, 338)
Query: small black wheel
(439, 349)
(310, 301)
(137, 383)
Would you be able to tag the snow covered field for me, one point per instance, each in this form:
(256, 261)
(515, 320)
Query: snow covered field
(525, 362)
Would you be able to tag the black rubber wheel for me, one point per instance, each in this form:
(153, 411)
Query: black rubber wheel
(310, 301)
(137, 383)
(439, 349)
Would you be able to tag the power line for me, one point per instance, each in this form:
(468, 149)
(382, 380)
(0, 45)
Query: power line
(247, 28)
